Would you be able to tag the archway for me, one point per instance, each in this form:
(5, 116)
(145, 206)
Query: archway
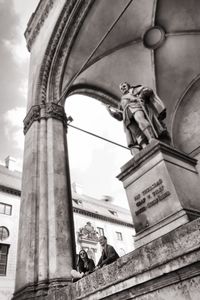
(186, 119)
(97, 148)
(142, 47)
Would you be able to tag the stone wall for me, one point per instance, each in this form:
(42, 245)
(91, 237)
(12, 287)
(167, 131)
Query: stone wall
(166, 268)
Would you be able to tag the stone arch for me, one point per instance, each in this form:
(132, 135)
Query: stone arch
(45, 232)
(93, 92)
(56, 53)
(56, 56)
(185, 121)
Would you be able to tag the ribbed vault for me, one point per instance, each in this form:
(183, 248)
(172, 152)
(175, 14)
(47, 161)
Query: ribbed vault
(155, 43)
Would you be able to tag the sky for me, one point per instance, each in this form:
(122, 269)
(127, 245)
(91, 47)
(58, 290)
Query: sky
(14, 63)
(94, 163)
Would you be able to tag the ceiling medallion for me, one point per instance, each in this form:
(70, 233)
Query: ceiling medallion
(154, 37)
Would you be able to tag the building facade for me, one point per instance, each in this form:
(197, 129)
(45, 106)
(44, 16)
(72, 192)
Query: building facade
(92, 218)
(10, 191)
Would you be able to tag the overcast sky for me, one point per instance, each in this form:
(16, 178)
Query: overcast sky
(94, 163)
(14, 61)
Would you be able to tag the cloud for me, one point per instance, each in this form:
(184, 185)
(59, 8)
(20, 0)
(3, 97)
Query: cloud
(24, 10)
(13, 59)
(13, 124)
(17, 50)
(23, 88)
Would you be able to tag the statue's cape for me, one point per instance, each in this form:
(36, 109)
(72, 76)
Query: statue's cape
(154, 101)
(153, 105)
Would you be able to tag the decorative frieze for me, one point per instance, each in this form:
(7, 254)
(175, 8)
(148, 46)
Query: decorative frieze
(45, 111)
(65, 31)
(37, 20)
(10, 190)
(33, 115)
(88, 233)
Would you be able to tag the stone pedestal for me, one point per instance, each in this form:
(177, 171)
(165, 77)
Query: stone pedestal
(163, 190)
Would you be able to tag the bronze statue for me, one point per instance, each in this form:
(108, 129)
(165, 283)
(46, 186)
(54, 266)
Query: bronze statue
(142, 112)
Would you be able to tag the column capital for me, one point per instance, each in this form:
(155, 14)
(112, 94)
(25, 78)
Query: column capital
(44, 111)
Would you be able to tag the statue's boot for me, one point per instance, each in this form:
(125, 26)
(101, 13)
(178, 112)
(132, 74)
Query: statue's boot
(143, 144)
(134, 151)
(148, 132)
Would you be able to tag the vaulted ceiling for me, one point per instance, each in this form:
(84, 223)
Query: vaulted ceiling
(155, 43)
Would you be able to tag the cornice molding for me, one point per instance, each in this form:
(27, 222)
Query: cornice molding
(37, 20)
(32, 115)
(66, 42)
(10, 190)
(45, 111)
(101, 217)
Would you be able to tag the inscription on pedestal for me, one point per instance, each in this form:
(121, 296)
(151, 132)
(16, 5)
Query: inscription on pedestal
(151, 196)
(162, 187)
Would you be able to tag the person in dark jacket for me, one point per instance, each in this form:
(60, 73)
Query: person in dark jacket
(108, 255)
(85, 266)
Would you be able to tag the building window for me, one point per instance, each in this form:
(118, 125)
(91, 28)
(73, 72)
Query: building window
(3, 259)
(5, 209)
(4, 233)
(119, 236)
(78, 201)
(113, 212)
(100, 231)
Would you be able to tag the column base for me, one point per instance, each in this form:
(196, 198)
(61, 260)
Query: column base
(56, 289)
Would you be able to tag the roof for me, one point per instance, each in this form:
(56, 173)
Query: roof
(10, 179)
(10, 182)
(101, 208)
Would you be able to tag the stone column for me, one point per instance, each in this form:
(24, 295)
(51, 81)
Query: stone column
(46, 247)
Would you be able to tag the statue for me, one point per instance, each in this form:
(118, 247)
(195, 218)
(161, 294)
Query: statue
(142, 112)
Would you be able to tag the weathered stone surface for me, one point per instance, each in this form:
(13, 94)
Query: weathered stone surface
(167, 267)
(58, 289)
(162, 188)
(46, 243)
(60, 294)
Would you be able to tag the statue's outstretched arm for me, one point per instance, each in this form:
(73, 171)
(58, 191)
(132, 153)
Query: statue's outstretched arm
(114, 112)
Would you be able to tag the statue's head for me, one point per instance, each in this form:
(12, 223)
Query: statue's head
(124, 87)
